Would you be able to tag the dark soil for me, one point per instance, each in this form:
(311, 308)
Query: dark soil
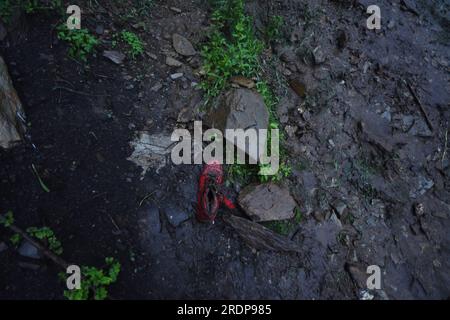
(349, 146)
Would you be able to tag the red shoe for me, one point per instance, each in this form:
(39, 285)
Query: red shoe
(209, 197)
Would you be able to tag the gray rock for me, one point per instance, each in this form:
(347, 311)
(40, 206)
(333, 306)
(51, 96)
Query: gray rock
(115, 56)
(420, 129)
(319, 55)
(267, 202)
(99, 29)
(422, 186)
(340, 208)
(3, 246)
(156, 87)
(28, 250)
(176, 76)
(182, 45)
(173, 62)
(239, 109)
(175, 215)
(11, 111)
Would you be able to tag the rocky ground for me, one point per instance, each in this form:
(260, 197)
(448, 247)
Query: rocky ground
(365, 114)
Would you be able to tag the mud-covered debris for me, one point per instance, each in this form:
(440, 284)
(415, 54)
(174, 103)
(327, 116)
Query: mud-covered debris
(239, 109)
(243, 82)
(420, 129)
(419, 209)
(115, 56)
(259, 237)
(267, 202)
(176, 10)
(422, 186)
(319, 56)
(357, 273)
(156, 87)
(12, 114)
(340, 208)
(100, 29)
(151, 151)
(298, 87)
(186, 115)
(28, 250)
(173, 62)
(341, 39)
(182, 45)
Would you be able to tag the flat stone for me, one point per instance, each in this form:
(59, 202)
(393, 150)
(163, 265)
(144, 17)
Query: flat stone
(28, 250)
(182, 45)
(176, 76)
(267, 202)
(115, 56)
(3, 246)
(319, 55)
(173, 62)
(239, 109)
(175, 215)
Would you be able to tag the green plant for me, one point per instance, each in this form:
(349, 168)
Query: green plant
(7, 220)
(81, 41)
(94, 282)
(47, 234)
(232, 48)
(6, 9)
(135, 44)
(285, 227)
(15, 239)
(273, 29)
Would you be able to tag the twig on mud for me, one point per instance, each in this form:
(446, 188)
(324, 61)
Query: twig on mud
(58, 260)
(44, 187)
(79, 92)
(146, 197)
(114, 223)
(422, 109)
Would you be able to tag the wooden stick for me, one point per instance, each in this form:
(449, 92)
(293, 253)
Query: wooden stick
(56, 259)
(422, 108)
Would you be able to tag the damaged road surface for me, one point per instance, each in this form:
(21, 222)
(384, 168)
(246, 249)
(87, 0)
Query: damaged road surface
(364, 116)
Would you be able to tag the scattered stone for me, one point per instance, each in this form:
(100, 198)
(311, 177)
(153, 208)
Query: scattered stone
(419, 209)
(298, 87)
(173, 62)
(291, 130)
(239, 109)
(243, 82)
(151, 151)
(259, 237)
(423, 185)
(175, 9)
(3, 247)
(319, 215)
(391, 24)
(357, 274)
(28, 250)
(335, 220)
(115, 56)
(175, 215)
(267, 202)
(99, 29)
(182, 45)
(319, 56)
(420, 129)
(12, 114)
(340, 208)
(156, 87)
(152, 55)
(176, 76)
(288, 55)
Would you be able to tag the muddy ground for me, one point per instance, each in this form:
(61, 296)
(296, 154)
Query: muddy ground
(369, 141)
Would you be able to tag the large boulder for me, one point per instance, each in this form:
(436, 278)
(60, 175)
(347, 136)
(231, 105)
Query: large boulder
(267, 202)
(239, 109)
(11, 128)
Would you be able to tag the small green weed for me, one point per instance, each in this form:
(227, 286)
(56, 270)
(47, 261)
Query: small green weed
(273, 29)
(94, 281)
(81, 41)
(7, 220)
(285, 227)
(136, 47)
(46, 234)
(15, 239)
